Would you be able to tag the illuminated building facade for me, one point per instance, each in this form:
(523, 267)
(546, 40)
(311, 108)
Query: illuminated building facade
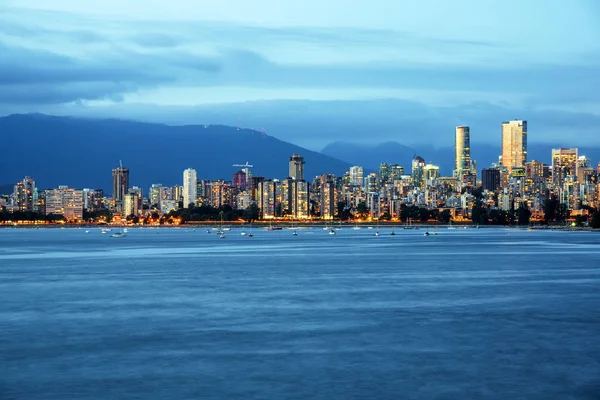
(190, 189)
(462, 139)
(564, 164)
(297, 167)
(514, 144)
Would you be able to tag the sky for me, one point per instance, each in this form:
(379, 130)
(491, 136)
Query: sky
(425, 65)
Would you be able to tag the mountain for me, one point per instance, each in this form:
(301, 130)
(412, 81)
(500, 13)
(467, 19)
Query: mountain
(395, 153)
(81, 152)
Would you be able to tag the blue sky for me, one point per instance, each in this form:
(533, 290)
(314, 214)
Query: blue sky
(460, 62)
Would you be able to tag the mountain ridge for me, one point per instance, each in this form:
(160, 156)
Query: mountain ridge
(81, 152)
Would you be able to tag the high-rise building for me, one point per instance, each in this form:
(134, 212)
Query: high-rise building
(395, 172)
(583, 167)
(65, 201)
(155, 194)
(356, 175)
(514, 144)
(120, 186)
(266, 198)
(131, 204)
(564, 164)
(490, 179)
(190, 190)
(462, 140)
(417, 172)
(383, 173)
(24, 194)
(327, 196)
(430, 171)
(297, 167)
(239, 180)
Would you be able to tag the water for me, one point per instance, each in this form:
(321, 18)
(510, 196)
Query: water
(182, 314)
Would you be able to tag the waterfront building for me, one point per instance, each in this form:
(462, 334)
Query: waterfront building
(267, 198)
(328, 196)
(131, 204)
(25, 195)
(297, 167)
(93, 199)
(514, 144)
(155, 195)
(65, 201)
(190, 190)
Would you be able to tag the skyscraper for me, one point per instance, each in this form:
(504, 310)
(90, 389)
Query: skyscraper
(190, 190)
(120, 186)
(417, 171)
(356, 176)
(490, 179)
(327, 195)
(514, 144)
(463, 152)
(297, 167)
(564, 164)
(23, 194)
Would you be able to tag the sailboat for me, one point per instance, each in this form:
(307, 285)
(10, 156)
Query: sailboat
(339, 228)
(220, 231)
(243, 232)
(356, 227)
(377, 231)
(393, 232)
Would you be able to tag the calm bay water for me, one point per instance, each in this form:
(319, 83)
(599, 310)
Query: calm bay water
(182, 314)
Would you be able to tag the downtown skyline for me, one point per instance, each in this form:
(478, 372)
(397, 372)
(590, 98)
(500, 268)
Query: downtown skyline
(512, 184)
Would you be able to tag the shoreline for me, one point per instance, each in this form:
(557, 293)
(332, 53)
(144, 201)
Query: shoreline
(299, 225)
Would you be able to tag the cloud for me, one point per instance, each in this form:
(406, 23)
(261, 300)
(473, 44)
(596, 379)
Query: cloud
(100, 59)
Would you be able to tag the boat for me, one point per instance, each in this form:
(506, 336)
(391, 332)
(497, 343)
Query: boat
(274, 228)
(339, 228)
(426, 234)
(369, 227)
(295, 233)
(332, 231)
(250, 234)
(222, 235)
(243, 233)
(377, 233)
(208, 231)
(393, 232)
(356, 227)
(118, 235)
(221, 231)
(86, 231)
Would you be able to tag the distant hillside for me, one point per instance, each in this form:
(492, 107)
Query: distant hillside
(392, 152)
(82, 152)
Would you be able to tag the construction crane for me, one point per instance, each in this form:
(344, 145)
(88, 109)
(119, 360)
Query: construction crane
(246, 168)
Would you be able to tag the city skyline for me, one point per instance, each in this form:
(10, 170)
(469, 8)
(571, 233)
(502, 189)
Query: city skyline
(512, 186)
